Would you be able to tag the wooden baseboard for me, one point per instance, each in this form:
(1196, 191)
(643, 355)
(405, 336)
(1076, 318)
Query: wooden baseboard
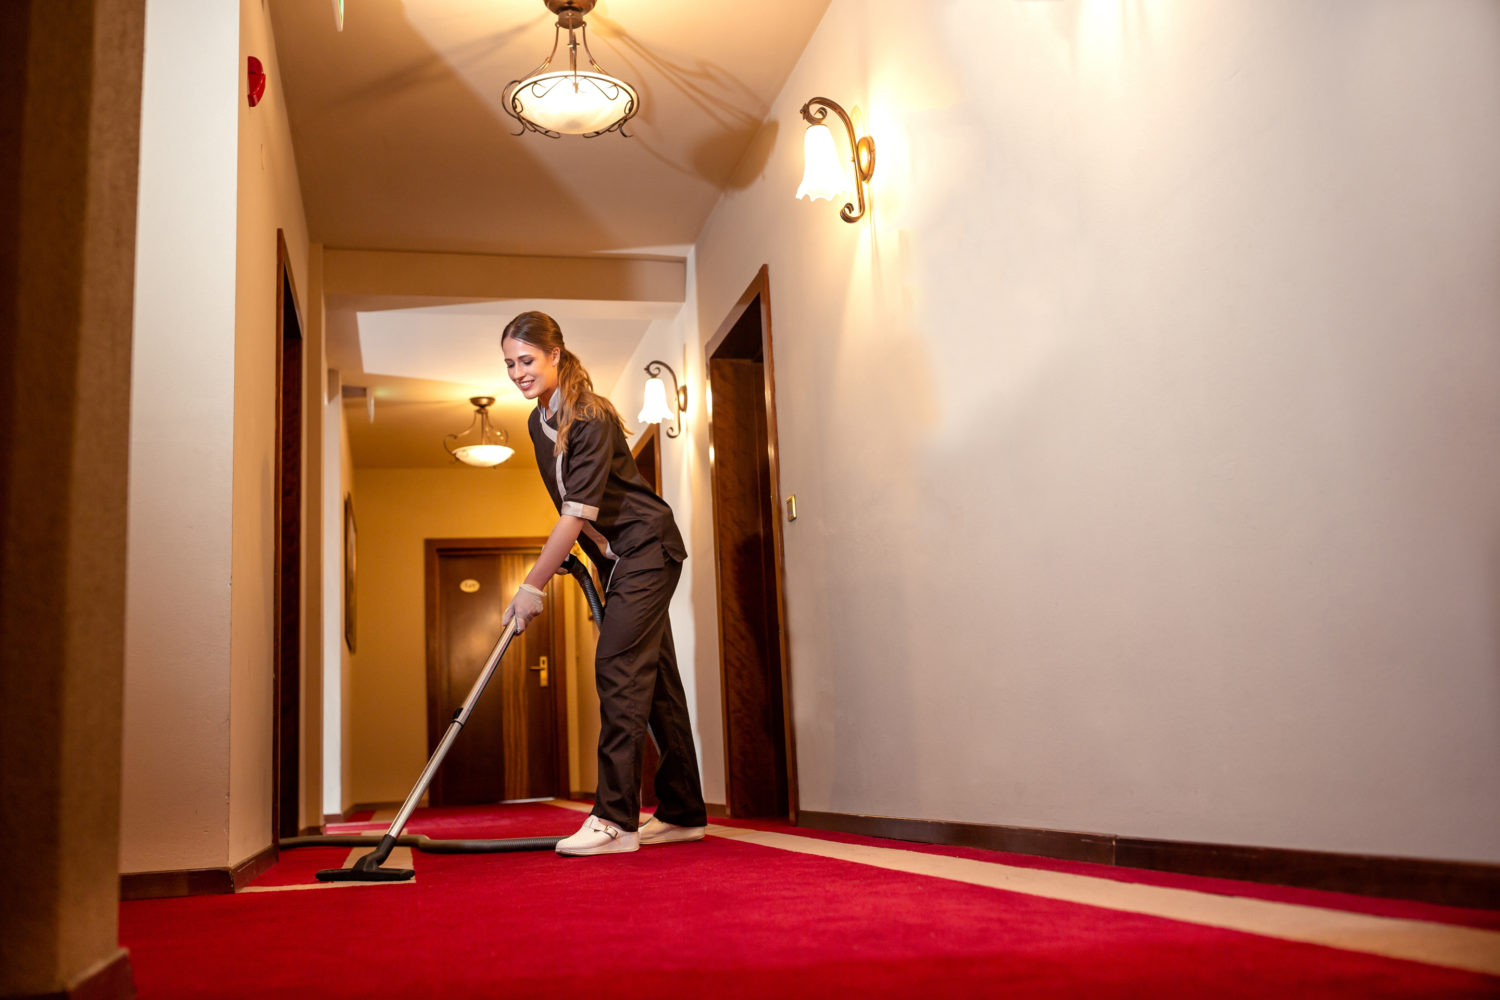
(1450, 883)
(716, 810)
(196, 881)
(246, 871)
(110, 979)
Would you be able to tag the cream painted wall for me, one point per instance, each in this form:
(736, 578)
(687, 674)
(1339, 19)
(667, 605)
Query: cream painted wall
(346, 656)
(314, 410)
(175, 755)
(335, 653)
(1144, 433)
(396, 511)
(684, 464)
(269, 199)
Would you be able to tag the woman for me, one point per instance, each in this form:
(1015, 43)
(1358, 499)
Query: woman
(629, 534)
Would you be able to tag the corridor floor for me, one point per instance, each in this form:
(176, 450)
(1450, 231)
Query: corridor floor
(768, 910)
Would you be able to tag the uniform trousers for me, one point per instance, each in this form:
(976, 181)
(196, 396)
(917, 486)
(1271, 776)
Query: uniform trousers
(635, 672)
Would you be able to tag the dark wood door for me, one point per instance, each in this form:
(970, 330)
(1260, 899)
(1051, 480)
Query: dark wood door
(749, 621)
(509, 746)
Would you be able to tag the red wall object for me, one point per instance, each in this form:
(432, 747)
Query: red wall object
(257, 81)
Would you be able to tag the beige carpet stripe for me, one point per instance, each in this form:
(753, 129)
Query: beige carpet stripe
(1467, 948)
(400, 858)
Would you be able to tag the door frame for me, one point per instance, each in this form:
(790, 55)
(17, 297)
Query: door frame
(759, 288)
(437, 722)
(286, 642)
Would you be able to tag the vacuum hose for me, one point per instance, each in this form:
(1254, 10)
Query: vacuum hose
(580, 572)
(370, 867)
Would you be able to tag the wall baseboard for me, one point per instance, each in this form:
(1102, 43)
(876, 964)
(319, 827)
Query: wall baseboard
(109, 980)
(196, 881)
(1449, 883)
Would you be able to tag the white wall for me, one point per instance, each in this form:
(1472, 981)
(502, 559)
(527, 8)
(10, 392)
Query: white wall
(270, 199)
(217, 181)
(335, 653)
(684, 466)
(175, 779)
(1144, 435)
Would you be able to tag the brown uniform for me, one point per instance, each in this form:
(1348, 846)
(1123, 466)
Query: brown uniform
(634, 543)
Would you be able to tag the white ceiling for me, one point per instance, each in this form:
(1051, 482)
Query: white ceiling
(401, 144)
(421, 362)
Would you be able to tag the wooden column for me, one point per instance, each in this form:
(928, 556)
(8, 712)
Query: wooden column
(70, 90)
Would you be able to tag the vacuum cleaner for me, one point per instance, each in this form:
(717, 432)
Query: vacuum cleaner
(368, 868)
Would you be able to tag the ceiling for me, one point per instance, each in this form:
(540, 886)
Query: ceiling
(401, 144)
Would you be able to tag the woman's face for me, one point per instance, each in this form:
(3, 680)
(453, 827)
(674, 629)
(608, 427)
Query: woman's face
(533, 371)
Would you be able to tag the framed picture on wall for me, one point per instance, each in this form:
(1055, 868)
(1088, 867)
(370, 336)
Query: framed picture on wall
(349, 551)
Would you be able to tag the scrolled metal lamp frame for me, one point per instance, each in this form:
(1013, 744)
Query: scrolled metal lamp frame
(862, 151)
(679, 393)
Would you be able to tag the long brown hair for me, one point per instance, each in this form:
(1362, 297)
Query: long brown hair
(579, 400)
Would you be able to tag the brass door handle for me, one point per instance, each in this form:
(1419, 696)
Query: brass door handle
(541, 668)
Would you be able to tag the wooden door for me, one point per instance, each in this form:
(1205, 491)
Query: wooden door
(509, 748)
(760, 754)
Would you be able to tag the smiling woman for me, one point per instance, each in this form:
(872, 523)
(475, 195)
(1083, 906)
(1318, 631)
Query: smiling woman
(632, 539)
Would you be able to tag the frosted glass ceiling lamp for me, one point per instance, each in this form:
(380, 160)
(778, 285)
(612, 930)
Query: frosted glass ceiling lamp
(656, 408)
(587, 102)
(823, 175)
(481, 445)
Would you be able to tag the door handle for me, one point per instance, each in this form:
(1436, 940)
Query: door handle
(541, 668)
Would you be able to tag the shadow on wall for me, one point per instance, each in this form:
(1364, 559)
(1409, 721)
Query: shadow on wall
(723, 96)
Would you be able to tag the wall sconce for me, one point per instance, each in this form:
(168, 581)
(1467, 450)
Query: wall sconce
(823, 175)
(486, 445)
(656, 408)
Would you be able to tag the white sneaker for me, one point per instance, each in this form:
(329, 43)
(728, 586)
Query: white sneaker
(658, 832)
(598, 837)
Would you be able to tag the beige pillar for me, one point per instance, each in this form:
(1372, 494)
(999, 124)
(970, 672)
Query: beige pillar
(70, 89)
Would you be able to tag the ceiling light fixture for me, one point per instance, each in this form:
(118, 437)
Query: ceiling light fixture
(823, 175)
(586, 102)
(656, 408)
(487, 446)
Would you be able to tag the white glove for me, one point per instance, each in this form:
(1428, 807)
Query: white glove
(526, 605)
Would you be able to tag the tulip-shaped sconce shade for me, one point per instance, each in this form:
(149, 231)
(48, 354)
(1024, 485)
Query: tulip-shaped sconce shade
(656, 408)
(480, 445)
(822, 173)
(823, 176)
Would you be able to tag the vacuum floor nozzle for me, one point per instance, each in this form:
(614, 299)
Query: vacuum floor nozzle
(375, 874)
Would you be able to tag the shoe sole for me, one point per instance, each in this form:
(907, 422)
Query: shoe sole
(588, 852)
(672, 839)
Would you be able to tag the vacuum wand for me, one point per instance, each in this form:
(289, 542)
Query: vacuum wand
(367, 868)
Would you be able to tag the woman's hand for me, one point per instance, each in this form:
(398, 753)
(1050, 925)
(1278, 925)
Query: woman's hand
(525, 606)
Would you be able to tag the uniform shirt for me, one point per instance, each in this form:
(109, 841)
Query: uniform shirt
(597, 479)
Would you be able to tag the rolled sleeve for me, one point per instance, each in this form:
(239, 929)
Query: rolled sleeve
(585, 469)
(581, 510)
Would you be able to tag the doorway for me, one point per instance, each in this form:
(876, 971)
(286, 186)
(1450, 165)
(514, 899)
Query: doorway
(514, 744)
(760, 769)
(286, 656)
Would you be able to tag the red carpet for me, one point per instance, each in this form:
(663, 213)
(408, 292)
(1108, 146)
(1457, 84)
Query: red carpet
(714, 919)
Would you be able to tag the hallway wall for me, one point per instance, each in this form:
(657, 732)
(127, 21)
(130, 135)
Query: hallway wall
(396, 510)
(175, 784)
(1143, 434)
(216, 184)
